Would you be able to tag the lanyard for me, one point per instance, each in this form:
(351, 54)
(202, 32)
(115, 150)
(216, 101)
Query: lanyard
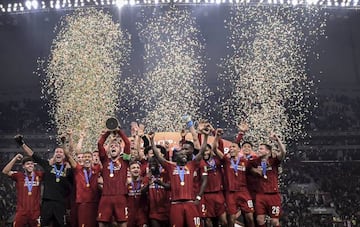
(29, 184)
(58, 172)
(87, 177)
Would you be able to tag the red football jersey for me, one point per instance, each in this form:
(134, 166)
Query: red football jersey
(181, 189)
(215, 175)
(28, 201)
(87, 193)
(114, 184)
(271, 184)
(198, 173)
(235, 179)
(159, 197)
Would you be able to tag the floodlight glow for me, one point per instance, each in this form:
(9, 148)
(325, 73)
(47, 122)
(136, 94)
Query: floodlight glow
(120, 3)
(28, 4)
(34, 4)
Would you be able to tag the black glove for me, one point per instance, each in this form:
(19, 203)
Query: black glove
(19, 139)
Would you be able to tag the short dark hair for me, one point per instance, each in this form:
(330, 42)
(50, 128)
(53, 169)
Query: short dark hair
(27, 159)
(190, 143)
(267, 146)
(134, 162)
(247, 142)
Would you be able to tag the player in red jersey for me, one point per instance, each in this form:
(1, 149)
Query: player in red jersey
(268, 200)
(87, 192)
(114, 173)
(183, 209)
(236, 193)
(27, 191)
(137, 199)
(158, 194)
(214, 201)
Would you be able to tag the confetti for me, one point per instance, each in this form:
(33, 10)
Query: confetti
(266, 70)
(173, 83)
(82, 74)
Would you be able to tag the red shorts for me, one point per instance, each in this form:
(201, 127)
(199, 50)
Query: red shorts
(87, 214)
(162, 215)
(137, 217)
(214, 204)
(241, 199)
(269, 204)
(113, 204)
(184, 214)
(23, 218)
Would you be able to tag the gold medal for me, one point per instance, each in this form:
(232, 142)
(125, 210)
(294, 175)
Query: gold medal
(111, 175)
(182, 183)
(88, 185)
(58, 180)
(29, 193)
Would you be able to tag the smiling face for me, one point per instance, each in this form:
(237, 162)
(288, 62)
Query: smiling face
(87, 159)
(246, 148)
(234, 150)
(59, 155)
(28, 166)
(80, 158)
(135, 170)
(207, 153)
(264, 150)
(182, 157)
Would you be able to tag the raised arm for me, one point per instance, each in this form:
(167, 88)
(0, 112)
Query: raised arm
(194, 134)
(156, 150)
(243, 128)
(7, 169)
(218, 133)
(206, 132)
(282, 150)
(126, 141)
(19, 139)
(80, 142)
(104, 135)
(70, 158)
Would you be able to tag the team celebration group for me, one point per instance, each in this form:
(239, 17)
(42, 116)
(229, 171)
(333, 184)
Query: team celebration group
(132, 181)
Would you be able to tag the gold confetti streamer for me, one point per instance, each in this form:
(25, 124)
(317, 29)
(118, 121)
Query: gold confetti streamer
(82, 74)
(270, 87)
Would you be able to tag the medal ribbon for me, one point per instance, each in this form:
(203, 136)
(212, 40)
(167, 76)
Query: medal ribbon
(28, 183)
(138, 185)
(235, 166)
(181, 172)
(263, 167)
(111, 167)
(58, 172)
(212, 164)
(87, 176)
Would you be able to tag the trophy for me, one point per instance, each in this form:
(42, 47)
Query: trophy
(112, 124)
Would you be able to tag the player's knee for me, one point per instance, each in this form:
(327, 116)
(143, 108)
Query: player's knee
(249, 216)
(260, 219)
